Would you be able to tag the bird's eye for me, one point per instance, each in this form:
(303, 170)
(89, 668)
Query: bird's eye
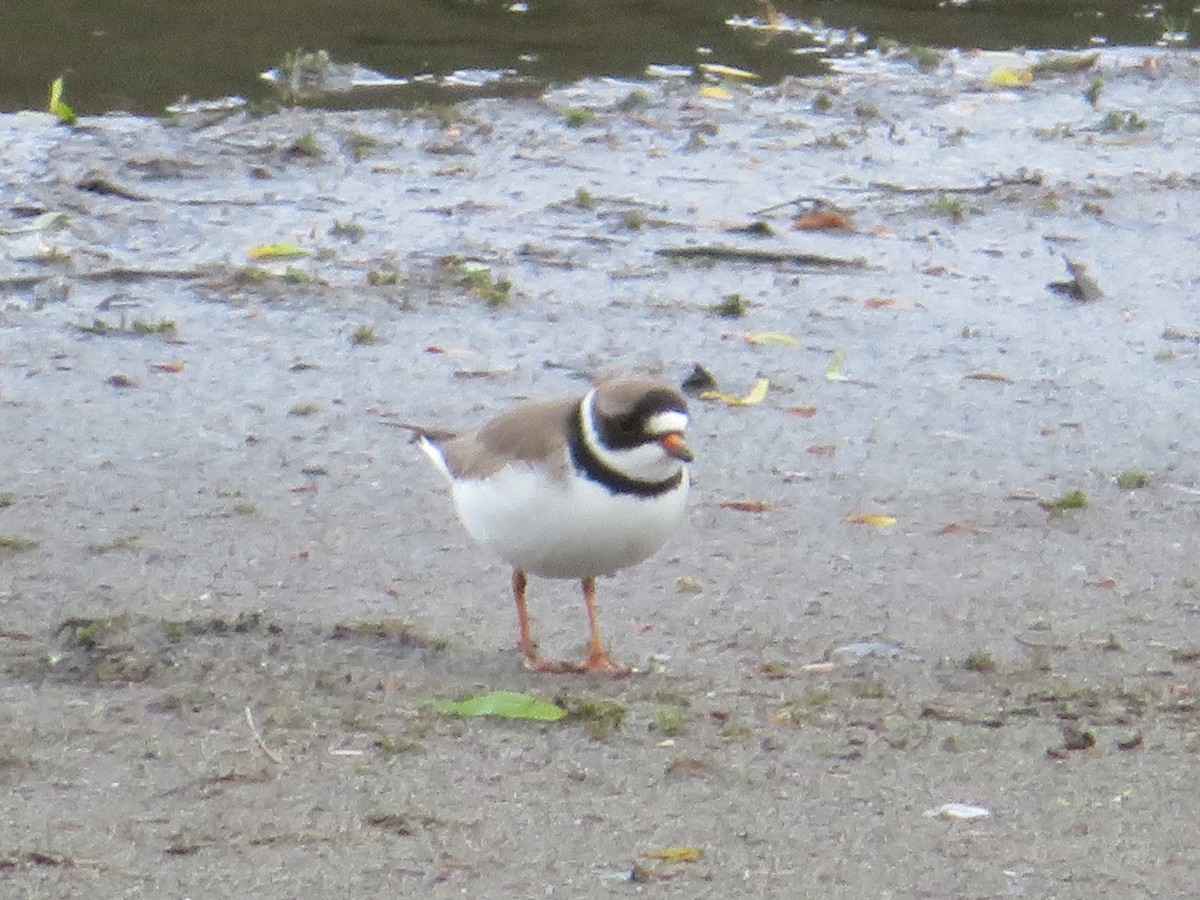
(624, 431)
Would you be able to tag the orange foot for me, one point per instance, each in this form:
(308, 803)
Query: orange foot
(551, 666)
(600, 664)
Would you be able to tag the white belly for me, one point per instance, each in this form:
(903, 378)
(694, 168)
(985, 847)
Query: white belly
(567, 529)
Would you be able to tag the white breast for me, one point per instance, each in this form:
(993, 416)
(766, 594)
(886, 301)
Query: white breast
(570, 528)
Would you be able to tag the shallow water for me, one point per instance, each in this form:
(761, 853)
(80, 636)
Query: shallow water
(140, 57)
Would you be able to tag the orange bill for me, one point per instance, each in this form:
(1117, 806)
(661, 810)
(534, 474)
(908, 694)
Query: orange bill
(674, 445)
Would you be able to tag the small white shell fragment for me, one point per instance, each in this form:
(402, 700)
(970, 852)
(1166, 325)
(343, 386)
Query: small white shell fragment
(967, 811)
(818, 668)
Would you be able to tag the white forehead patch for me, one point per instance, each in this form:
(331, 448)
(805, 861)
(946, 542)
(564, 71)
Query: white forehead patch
(667, 422)
(645, 462)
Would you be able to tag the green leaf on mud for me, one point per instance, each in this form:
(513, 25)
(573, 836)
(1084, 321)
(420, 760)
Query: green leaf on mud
(48, 221)
(1070, 500)
(504, 704)
(275, 251)
(1063, 64)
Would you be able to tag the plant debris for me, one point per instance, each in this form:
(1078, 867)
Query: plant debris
(754, 506)
(600, 718)
(754, 255)
(675, 854)
(876, 520)
(731, 307)
(699, 381)
(15, 543)
(1132, 480)
(1082, 286)
(58, 106)
(1070, 500)
(392, 630)
(757, 394)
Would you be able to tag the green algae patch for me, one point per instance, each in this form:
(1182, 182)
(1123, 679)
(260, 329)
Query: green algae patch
(403, 633)
(1070, 500)
(14, 543)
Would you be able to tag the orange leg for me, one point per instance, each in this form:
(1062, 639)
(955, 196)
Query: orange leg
(598, 659)
(533, 662)
(519, 581)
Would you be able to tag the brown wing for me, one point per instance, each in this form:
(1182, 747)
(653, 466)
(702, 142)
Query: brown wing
(534, 432)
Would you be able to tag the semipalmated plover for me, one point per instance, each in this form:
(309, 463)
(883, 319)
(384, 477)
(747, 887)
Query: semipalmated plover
(572, 488)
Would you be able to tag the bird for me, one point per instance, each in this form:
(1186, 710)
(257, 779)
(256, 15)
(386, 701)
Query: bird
(572, 488)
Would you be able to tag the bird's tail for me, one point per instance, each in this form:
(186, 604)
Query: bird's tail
(430, 440)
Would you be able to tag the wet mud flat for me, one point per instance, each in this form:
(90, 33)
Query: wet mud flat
(932, 627)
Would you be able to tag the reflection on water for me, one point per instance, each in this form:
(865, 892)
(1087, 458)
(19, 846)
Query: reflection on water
(139, 55)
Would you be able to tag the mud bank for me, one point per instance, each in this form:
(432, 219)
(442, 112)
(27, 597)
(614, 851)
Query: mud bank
(227, 589)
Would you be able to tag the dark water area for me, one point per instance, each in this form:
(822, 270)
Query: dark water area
(140, 56)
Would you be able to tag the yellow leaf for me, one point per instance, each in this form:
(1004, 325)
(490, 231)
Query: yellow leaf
(757, 395)
(833, 371)
(275, 251)
(772, 337)
(878, 520)
(676, 854)
(1005, 77)
(715, 92)
(728, 72)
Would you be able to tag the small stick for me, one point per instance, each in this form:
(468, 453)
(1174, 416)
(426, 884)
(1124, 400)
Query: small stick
(258, 738)
(797, 202)
(753, 255)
